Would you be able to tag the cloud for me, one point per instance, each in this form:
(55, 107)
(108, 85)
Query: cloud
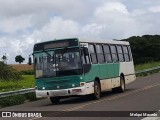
(57, 28)
(155, 9)
(117, 7)
(15, 24)
(117, 20)
(92, 30)
(24, 23)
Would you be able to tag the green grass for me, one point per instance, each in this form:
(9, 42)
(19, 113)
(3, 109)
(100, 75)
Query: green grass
(146, 65)
(26, 82)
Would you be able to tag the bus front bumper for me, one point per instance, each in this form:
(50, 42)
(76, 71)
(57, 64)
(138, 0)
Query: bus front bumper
(62, 92)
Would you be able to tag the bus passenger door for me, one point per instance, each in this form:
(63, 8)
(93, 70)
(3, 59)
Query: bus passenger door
(86, 67)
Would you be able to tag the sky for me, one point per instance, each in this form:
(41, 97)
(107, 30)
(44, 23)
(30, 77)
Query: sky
(26, 22)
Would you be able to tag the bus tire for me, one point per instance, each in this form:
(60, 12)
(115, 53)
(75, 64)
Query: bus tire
(55, 100)
(121, 88)
(97, 90)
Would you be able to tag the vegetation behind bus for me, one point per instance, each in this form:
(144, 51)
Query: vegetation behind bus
(145, 49)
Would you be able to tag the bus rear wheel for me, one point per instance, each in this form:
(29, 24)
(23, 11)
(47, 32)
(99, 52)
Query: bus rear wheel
(55, 100)
(121, 88)
(97, 90)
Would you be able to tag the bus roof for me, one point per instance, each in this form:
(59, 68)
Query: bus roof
(83, 40)
(103, 41)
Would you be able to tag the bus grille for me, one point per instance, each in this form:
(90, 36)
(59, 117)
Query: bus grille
(59, 93)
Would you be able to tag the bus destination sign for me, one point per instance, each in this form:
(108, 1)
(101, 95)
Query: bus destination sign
(56, 44)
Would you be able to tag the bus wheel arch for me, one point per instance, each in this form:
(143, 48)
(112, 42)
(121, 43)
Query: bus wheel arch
(97, 88)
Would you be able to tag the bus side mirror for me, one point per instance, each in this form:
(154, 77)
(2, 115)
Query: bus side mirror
(30, 61)
(85, 50)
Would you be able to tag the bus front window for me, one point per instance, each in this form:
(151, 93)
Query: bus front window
(44, 65)
(58, 63)
(68, 63)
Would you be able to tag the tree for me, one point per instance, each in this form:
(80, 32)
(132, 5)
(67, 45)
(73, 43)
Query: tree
(145, 48)
(4, 58)
(19, 59)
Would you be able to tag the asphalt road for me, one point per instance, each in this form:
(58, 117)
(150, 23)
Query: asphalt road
(141, 95)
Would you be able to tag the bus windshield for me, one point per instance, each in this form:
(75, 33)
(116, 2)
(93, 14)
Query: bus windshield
(62, 62)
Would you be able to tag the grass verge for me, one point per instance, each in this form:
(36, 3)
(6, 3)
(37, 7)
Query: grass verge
(146, 65)
(26, 82)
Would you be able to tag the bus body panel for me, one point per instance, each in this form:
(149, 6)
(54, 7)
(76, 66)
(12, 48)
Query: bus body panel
(127, 68)
(102, 71)
(58, 83)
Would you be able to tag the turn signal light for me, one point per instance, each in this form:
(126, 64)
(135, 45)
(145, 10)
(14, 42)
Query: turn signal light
(82, 83)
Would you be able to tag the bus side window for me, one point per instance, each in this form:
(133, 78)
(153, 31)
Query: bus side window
(93, 54)
(100, 54)
(40, 63)
(130, 53)
(126, 53)
(120, 53)
(107, 53)
(85, 59)
(114, 53)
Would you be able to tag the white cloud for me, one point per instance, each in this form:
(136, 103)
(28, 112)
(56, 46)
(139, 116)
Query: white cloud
(155, 9)
(57, 28)
(117, 19)
(24, 23)
(15, 24)
(117, 7)
(92, 30)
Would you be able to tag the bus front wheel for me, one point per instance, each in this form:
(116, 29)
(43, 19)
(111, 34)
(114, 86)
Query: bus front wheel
(55, 100)
(97, 90)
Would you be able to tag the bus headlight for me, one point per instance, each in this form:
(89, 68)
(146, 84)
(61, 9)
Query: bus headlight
(36, 88)
(82, 84)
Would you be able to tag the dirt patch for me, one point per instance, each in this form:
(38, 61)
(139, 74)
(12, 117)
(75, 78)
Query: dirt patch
(22, 67)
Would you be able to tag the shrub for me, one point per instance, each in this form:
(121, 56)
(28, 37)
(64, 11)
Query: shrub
(8, 73)
(12, 100)
(31, 96)
(27, 72)
(17, 99)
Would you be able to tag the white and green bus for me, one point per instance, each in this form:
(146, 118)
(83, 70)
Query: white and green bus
(77, 67)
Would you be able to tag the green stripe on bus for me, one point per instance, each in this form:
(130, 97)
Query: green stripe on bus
(103, 71)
